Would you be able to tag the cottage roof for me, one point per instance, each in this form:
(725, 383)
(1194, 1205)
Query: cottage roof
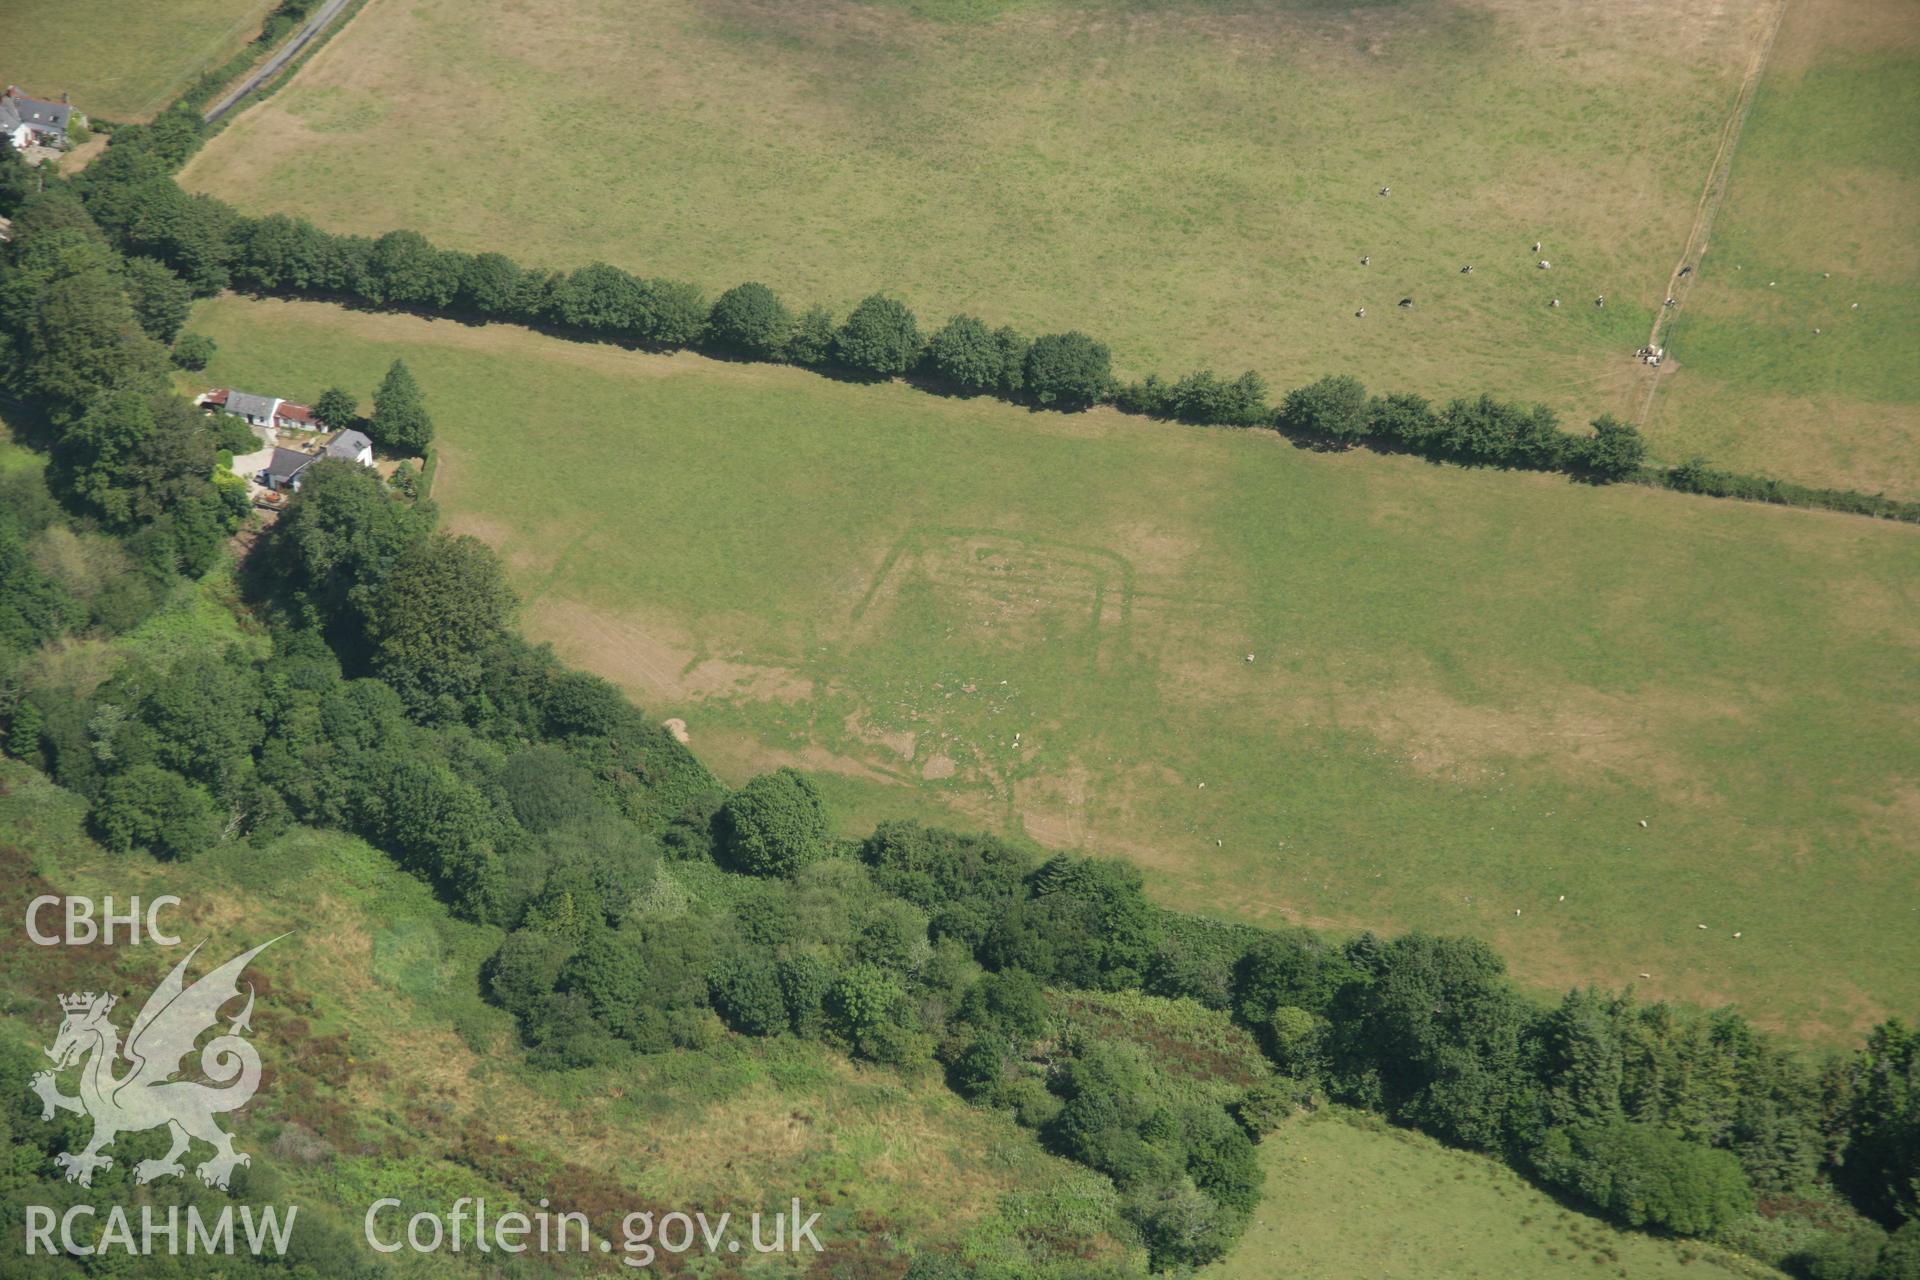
(32, 111)
(248, 405)
(287, 463)
(294, 412)
(348, 444)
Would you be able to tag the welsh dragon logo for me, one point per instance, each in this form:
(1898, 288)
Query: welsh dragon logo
(145, 1095)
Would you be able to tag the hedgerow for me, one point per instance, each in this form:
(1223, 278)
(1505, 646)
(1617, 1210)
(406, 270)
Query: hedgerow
(398, 703)
(130, 192)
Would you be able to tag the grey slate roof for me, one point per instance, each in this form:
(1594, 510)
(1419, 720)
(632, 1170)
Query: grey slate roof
(288, 463)
(32, 111)
(347, 445)
(248, 405)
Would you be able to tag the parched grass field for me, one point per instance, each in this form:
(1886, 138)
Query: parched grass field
(121, 59)
(1352, 1197)
(1773, 360)
(1195, 182)
(1351, 690)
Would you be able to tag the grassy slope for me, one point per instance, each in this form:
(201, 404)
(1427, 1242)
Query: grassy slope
(1352, 1197)
(121, 60)
(1823, 212)
(387, 1075)
(1468, 689)
(1195, 183)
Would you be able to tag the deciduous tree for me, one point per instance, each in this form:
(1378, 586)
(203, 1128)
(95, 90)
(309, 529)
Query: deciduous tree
(750, 319)
(1068, 370)
(880, 337)
(337, 408)
(774, 825)
(444, 602)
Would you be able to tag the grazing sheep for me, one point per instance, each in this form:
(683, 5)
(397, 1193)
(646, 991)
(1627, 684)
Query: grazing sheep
(1545, 265)
(1406, 302)
(1467, 270)
(1646, 975)
(1554, 303)
(1536, 246)
(1600, 301)
(1643, 822)
(1736, 935)
(1361, 313)
(1366, 260)
(1687, 271)
(1386, 191)
(1670, 302)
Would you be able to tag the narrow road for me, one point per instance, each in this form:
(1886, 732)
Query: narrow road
(286, 52)
(1678, 285)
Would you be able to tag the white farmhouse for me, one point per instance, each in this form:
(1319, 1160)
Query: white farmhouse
(352, 446)
(260, 411)
(30, 122)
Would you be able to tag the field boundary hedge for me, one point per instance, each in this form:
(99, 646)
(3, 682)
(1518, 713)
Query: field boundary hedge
(880, 340)
(399, 703)
(132, 192)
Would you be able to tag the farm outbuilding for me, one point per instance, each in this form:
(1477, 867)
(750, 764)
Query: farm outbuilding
(284, 468)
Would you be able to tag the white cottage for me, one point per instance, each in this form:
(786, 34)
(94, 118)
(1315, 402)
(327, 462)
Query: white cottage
(30, 122)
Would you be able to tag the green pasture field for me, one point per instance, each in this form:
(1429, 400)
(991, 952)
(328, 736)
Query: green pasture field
(1344, 689)
(121, 60)
(1349, 1196)
(1194, 182)
(1798, 341)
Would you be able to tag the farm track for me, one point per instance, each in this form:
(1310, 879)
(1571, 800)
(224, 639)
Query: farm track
(1698, 235)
